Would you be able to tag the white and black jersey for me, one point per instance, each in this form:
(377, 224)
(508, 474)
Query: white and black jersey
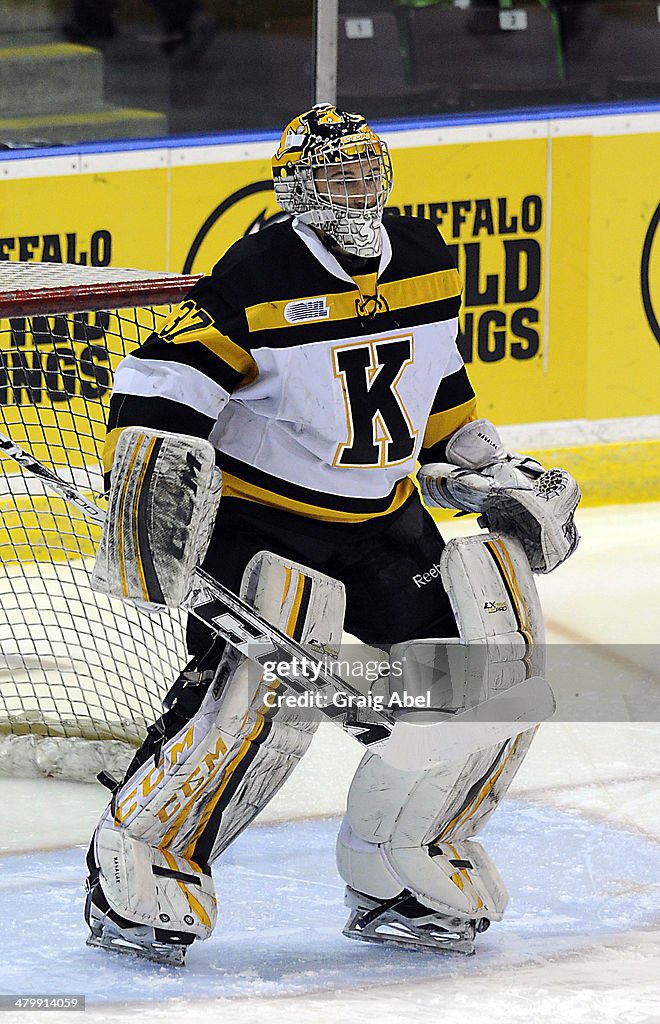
(319, 391)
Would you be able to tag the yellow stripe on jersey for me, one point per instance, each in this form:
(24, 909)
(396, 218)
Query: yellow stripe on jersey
(441, 425)
(189, 323)
(231, 353)
(411, 291)
(415, 291)
(367, 283)
(234, 487)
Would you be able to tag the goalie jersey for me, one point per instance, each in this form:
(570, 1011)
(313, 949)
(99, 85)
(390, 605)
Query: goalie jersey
(319, 391)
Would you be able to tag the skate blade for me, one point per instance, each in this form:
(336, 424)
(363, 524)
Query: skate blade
(415, 942)
(156, 953)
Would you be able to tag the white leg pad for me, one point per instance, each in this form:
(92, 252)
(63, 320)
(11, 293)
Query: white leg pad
(227, 762)
(403, 829)
(363, 865)
(492, 591)
(457, 879)
(150, 887)
(411, 828)
(483, 674)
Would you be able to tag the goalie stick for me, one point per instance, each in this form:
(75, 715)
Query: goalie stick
(236, 622)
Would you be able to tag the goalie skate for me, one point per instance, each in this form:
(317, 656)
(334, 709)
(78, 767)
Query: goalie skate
(407, 923)
(159, 946)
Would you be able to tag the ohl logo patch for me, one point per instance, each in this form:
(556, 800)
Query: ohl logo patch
(245, 211)
(650, 274)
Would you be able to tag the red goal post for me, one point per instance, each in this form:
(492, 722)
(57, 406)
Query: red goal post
(81, 675)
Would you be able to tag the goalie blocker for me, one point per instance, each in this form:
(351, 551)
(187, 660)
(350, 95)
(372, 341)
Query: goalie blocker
(163, 502)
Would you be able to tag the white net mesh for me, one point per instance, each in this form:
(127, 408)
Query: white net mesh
(74, 665)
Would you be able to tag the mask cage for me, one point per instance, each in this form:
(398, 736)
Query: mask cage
(353, 179)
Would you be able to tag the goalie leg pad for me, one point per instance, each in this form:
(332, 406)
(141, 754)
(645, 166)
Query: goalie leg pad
(163, 502)
(223, 766)
(492, 592)
(411, 830)
(165, 898)
(500, 649)
(404, 829)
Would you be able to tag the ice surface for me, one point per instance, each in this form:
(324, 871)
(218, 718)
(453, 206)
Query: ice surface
(574, 884)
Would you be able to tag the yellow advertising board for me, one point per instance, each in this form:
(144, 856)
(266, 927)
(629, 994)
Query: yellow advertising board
(56, 376)
(214, 204)
(101, 218)
(623, 316)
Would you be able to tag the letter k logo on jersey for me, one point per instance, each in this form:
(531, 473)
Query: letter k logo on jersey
(379, 429)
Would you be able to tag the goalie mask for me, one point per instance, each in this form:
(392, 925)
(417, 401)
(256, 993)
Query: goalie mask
(334, 173)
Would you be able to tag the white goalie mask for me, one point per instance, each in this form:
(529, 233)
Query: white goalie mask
(334, 173)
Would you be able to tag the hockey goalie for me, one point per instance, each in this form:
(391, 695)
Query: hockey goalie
(270, 431)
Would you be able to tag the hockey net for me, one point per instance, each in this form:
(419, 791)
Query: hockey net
(81, 675)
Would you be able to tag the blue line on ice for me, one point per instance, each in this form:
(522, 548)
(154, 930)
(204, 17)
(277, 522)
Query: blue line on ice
(572, 883)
